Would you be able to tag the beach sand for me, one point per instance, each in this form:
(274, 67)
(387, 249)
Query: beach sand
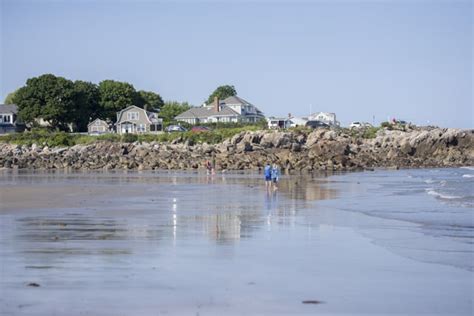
(190, 244)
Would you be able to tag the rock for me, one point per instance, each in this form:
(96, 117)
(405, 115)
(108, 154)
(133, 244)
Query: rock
(33, 284)
(319, 149)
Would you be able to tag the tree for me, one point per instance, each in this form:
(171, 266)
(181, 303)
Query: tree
(150, 100)
(48, 97)
(115, 96)
(10, 97)
(222, 92)
(171, 109)
(86, 104)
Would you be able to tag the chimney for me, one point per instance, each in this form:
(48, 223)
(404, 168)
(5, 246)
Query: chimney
(145, 107)
(289, 115)
(216, 104)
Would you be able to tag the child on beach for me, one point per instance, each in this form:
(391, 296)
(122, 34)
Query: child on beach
(275, 176)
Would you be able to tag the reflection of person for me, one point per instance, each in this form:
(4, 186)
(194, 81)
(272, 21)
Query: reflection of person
(208, 167)
(275, 176)
(213, 165)
(267, 172)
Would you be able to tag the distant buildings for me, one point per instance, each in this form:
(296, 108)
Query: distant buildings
(9, 120)
(298, 121)
(291, 121)
(325, 117)
(278, 122)
(232, 109)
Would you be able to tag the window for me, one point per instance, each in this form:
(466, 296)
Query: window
(132, 116)
(141, 128)
(6, 119)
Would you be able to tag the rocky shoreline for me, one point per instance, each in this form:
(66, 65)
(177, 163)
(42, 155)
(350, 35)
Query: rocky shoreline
(292, 150)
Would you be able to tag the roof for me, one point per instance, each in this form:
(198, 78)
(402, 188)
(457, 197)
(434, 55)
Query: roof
(97, 119)
(323, 113)
(235, 100)
(148, 113)
(207, 111)
(8, 108)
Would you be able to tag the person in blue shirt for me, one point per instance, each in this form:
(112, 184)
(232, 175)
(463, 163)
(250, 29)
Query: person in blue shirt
(267, 172)
(275, 176)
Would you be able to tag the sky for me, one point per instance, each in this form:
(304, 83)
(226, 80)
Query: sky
(363, 60)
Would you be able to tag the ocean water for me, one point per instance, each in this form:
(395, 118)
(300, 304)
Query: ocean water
(434, 208)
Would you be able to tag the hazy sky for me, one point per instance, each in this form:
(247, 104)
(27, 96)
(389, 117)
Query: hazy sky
(406, 59)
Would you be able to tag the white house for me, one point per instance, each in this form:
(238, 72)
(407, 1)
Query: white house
(278, 122)
(298, 121)
(325, 117)
(232, 109)
(9, 120)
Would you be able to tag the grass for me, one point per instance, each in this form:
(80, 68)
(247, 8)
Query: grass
(366, 132)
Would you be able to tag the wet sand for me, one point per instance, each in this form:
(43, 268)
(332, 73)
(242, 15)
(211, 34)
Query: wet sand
(190, 244)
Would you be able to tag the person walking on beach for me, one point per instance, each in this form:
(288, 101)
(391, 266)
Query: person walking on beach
(275, 176)
(267, 172)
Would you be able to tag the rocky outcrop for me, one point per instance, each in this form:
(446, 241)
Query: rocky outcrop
(316, 150)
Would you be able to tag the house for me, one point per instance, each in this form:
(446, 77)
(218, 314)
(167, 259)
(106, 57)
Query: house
(98, 126)
(298, 121)
(278, 122)
(135, 120)
(9, 120)
(249, 112)
(325, 117)
(232, 109)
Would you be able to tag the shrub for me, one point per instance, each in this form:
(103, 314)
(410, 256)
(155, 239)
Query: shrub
(129, 138)
(370, 132)
(49, 138)
(387, 125)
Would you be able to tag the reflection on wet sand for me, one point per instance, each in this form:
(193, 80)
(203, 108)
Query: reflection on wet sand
(222, 207)
(68, 231)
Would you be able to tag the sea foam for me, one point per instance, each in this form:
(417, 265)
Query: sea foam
(433, 192)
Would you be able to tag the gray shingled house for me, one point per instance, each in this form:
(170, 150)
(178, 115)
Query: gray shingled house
(98, 126)
(232, 109)
(9, 120)
(135, 120)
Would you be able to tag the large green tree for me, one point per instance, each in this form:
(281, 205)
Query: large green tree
(86, 104)
(115, 96)
(48, 97)
(10, 99)
(222, 92)
(150, 100)
(171, 109)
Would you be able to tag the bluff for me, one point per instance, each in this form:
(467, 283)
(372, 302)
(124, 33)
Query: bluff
(292, 150)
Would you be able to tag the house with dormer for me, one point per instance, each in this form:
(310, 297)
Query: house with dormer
(232, 109)
(135, 120)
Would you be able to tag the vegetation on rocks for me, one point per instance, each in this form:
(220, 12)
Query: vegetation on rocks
(44, 137)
